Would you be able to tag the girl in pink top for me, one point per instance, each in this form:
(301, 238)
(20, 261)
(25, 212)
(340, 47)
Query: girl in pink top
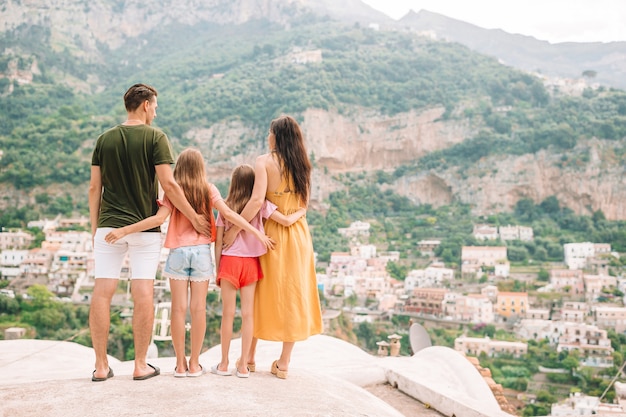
(238, 266)
(189, 266)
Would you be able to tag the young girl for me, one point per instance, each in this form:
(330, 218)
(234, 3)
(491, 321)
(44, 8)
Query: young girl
(239, 268)
(189, 265)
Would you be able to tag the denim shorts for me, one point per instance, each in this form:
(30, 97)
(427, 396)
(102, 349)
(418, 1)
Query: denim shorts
(192, 263)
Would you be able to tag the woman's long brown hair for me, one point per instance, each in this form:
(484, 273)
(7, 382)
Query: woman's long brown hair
(290, 148)
(241, 185)
(190, 174)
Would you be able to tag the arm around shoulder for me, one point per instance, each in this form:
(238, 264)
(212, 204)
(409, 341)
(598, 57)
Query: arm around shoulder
(287, 220)
(178, 199)
(145, 224)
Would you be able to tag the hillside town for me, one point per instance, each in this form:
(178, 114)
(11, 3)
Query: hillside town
(467, 294)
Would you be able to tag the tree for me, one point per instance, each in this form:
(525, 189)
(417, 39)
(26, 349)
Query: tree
(589, 74)
(550, 205)
(517, 253)
(571, 362)
(41, 296)
(396, 270)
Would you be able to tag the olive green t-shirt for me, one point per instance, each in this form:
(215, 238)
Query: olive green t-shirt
(127, 156)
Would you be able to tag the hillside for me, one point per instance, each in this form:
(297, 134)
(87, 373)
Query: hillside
(432, 120)
(605, 61)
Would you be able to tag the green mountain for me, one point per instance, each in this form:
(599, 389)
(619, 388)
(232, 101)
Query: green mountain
(432, 120)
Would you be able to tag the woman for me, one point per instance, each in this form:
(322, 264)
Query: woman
(287, 306)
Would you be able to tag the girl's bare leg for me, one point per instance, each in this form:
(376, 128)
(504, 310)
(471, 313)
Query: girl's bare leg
(252, 352)
(229, 303)
(197, 306)
(179, 290)
(247, 325)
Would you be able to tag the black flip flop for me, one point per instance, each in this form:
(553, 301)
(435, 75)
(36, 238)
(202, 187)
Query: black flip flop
(156, 372)
(94, 378)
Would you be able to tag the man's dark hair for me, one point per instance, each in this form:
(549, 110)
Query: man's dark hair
(137, 94)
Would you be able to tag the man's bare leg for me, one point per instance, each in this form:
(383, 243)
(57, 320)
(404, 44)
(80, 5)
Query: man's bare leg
(100, 322)
(142, 291)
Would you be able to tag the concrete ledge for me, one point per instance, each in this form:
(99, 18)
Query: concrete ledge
(326, 378)
(446, 381)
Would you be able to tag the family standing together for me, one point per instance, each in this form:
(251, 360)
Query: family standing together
(263, 247)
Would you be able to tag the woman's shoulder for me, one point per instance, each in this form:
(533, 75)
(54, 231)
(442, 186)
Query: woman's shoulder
(264, 157)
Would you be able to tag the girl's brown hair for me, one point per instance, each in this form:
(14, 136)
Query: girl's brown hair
(294, 160)
(190, 174)
(241, 185)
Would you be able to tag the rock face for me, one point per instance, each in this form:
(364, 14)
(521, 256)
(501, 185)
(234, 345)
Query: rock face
(84, 24)
(504, 180)
(111, 22)
(361, 140)
(364, 140)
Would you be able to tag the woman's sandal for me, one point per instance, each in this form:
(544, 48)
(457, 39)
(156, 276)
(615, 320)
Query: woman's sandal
(276, 371)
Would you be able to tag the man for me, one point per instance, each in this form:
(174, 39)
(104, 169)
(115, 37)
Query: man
(126, 163)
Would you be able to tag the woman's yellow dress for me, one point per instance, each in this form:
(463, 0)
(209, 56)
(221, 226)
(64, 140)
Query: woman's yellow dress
(286, 303)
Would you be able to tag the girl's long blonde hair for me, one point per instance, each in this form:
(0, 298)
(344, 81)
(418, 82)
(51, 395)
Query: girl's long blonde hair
(240, 190)
(190, 174)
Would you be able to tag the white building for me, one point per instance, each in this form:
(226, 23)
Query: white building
(537, 329)
(491, 291)
(485, 232)
(37, 262)
(474, 259)
(578, 254)
(475, 346)
(576, 405)
(538, 313)
(591, 341)
(427, 247)
(432, 276)
(473, 308)
(15, 240)
(596, 284)
(10, 261)
(356, 229)
(610, 317)
(363, 251)
(522, 233)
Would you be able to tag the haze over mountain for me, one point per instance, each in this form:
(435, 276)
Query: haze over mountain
(569, 60)
(430, 119)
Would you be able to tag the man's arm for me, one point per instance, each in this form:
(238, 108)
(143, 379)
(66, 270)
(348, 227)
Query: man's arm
(95, 197)
(176, 195)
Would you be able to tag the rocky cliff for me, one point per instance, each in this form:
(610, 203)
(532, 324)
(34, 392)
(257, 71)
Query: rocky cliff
(586, 179)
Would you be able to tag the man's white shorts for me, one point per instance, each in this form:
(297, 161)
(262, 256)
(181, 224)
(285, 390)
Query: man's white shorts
(144, 252)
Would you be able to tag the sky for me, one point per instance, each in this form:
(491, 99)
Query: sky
(549, 20)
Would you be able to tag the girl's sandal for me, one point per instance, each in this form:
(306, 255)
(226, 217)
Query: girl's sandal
(251, 366)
